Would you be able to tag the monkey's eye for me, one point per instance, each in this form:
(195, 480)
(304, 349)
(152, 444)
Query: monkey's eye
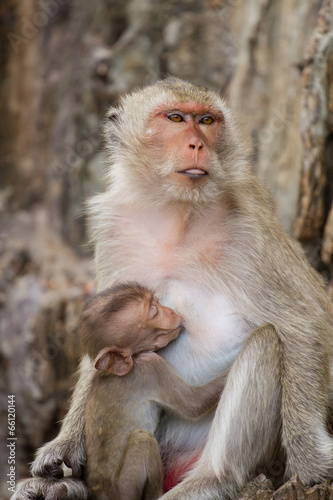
(176, 118)
(154, 309)
(207, 120)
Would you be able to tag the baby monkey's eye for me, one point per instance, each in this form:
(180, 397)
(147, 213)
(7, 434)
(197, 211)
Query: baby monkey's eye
(207, 120)
(154, 310)
(176, 118)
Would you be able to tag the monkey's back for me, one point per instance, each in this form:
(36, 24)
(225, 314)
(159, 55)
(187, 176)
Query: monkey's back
(116, 407)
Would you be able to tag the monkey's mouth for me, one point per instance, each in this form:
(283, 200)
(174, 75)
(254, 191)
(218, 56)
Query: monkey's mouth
(194, 173)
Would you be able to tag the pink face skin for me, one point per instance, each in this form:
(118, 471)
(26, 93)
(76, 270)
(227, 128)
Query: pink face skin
(191, 132)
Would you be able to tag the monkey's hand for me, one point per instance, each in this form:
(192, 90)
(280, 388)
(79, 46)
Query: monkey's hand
(49, 458)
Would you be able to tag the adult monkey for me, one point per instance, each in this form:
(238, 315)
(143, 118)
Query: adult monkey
(184, 215)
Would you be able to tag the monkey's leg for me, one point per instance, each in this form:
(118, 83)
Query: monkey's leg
(306, 402)
(246, 431)
(141, 473)
(69, 445)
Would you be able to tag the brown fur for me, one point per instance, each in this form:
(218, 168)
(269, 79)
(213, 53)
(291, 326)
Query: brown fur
(99, 311)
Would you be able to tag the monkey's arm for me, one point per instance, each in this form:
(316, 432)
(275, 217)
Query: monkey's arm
(173, 392)
(68, 446)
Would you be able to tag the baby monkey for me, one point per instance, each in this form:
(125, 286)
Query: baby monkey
(120, 329)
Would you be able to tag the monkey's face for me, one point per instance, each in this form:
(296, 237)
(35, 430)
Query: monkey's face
(174, 142)
(148, 326)
(182, 142)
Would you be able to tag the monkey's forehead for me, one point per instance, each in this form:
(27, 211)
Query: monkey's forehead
(185, 91)
(173, 90)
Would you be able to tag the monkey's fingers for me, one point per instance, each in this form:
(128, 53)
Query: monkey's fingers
(49, 459)
(52, 470)
(76, 467)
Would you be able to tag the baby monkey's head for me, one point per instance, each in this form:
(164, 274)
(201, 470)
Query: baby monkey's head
(124, 321)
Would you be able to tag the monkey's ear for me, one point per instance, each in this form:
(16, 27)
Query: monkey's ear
(115, 361)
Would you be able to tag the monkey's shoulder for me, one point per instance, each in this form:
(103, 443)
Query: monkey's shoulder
(151, 362)
(146, 367)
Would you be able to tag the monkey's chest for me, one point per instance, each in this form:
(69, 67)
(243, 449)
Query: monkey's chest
(153, 252)
(214, 330)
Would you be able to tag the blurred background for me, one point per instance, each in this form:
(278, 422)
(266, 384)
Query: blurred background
(62, 63)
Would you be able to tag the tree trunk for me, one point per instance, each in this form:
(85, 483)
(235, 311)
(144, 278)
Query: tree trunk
(314, 226)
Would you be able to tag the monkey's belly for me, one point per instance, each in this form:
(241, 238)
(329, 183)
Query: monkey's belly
(209, 344)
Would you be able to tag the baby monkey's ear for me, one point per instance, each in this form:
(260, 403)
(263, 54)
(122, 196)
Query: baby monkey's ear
(114, 360)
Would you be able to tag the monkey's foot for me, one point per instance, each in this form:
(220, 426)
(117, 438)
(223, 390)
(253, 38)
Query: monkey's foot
(63, 489)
